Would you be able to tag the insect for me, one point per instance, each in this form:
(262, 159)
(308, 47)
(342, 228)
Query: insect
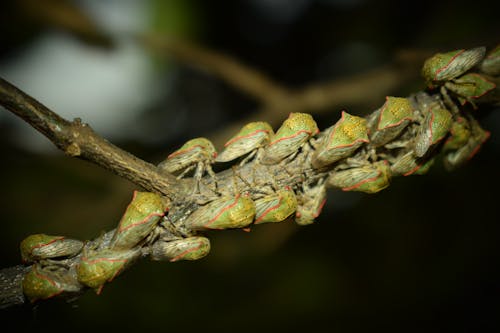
(390, 120)
(293, 134)
(222, 213)
(42, 246)
(370, 178)
(198, 153)
(140, 218)
(444, 67)
(340, 140)
(435, 126)
(47, 282)
(98, 267)
(310, 202)
(190, 248)
(408, 164)
(469, 87)
(275, 207)
(248, 140)
(491, 63)
(478, 136)
(460, 133)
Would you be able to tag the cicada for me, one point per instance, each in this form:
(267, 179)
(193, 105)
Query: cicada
(275, 207)
(41, 246)
(370, 178)
(443, 67)
(390, 120)
(340, 140)
(198, 154)
(47, 282)
(491, 63)
(247, 141)
(190, 248)
(434, 128)
(223, 213)
(99, 267)
(292, 135)
(140, 218)
(310, 202)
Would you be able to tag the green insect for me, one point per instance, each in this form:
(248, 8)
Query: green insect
(247, 141)
(370, 178)
(469, 87)
(140, 218)
(45, 282)
(41, 246)
(190, 248)
(408, 164)
(458, 157)
(340, 140)
(223, 213)
(310, 202)
(443, 67)
(491, 63)
(198, 154)
(460, 132)
(390, 120)
(292, 135)
(99, 267)
(275, 207)
(435, 126)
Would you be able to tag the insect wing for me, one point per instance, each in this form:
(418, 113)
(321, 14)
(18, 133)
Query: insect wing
(103, 266)
(140, 218)
(191, 152)
(460, 133)
(434, 128)
(275, 207)
(408, 164)
(223, 213)
(310, 205)
(191, 248)
(347, 135)
(446, 66)
(42, 246)
(458, 157)
(471, 86)
(40, 284)
(252, 136)
(368, 179)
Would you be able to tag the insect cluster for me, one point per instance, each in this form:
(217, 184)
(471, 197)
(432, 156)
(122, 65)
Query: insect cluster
(275, 176)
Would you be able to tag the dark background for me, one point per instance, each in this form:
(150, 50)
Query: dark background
(422, 255)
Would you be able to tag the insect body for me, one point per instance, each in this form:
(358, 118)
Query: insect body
(248, 140)
(408, 164)
(388, 122)
(464, 153)
(44, 283)
(370, 178)
(275, 207)
(310, 202)
(434, 128)
(223, 213)
(340, 140)
(141, 216)
(491, 63)
(443, 67)
(469, 87)
(190, 248)
(99, 267)
(41, 246)
(293, 133)
(198, 153)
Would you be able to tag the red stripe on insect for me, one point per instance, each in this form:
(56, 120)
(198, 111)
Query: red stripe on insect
(184, 253)
(448, 64)
(384, 107)
(52, 282)
(120, 229)
(245, 136)
(222, 211)
(320, 208)
(267, 211)
(289, 137)
(361, 182)
(48, 243)
(487, 91)
(175, 153)
(332, 134)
